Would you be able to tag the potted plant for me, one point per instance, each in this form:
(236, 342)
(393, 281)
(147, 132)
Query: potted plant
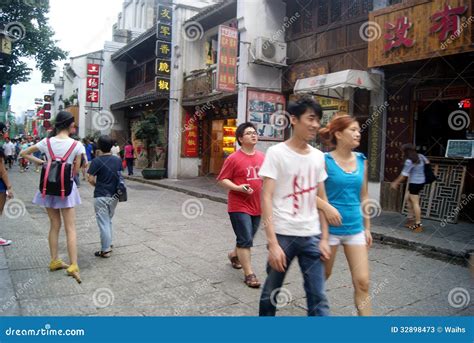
(147, 130)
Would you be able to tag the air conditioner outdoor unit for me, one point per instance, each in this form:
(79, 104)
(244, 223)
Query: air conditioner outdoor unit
(269, 52)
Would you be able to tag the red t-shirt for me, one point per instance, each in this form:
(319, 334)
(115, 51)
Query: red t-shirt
(241, 168)
(128, 151)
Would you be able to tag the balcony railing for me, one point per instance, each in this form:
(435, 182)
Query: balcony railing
(200, 83)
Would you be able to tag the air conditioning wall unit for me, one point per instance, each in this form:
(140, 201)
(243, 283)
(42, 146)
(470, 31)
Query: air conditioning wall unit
(269, 52)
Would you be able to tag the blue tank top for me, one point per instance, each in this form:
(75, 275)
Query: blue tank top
(343, 191)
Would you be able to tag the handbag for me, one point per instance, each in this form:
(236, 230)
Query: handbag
(430, 176)
(121, 188)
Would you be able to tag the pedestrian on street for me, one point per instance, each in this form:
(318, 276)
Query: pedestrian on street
(115, 151)
(293, 175)
(129, 157)
(239, 175)
(414, 171)
(6, 190)
(347, 193)
(9, 151)
(104, 174)
(89, 150)
(57, 206)
(23, 161)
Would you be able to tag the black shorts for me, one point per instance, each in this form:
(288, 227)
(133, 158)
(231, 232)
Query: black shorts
(415, 188)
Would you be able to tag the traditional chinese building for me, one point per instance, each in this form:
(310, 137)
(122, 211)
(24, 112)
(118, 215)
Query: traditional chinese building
(327, 58)
(224, 84)
(425, 49)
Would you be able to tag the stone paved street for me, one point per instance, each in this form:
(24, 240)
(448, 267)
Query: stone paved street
(165, 263)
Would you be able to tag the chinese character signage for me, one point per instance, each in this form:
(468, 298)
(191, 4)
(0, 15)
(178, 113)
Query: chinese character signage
(227, 59)
(163, 67)
(420, 30)
(163, 50)
(162, 84)
(92, 69)
(266, 110)
(163, 32)
(165, 14)
(92, 84)
(92, 96)
(191, 142)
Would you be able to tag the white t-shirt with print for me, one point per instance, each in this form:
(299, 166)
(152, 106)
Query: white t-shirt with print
(60, 147)
(296, 186)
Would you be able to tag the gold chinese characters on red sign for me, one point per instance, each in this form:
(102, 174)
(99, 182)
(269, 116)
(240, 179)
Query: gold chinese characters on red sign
(227, 59)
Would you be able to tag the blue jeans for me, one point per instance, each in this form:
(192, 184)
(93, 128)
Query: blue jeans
(309, 259)
(245, 227)
(104, 212)
(129, 165)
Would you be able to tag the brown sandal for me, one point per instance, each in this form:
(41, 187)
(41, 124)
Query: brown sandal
(416, 228)
(234, 260)
(252, 281)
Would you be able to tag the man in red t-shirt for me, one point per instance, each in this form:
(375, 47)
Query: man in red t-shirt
(239, 176)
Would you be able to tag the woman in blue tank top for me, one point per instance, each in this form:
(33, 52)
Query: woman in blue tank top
(347, 197)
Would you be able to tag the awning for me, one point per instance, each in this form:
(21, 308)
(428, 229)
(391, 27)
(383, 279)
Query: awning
(336, 84)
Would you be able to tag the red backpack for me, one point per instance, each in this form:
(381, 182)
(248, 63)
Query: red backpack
(56, 175)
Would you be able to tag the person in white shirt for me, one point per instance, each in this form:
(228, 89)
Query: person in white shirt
(115, 151)
(9, 151)
(293, 176)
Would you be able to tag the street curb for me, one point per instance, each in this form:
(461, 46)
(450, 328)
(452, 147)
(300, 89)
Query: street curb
(380, 237)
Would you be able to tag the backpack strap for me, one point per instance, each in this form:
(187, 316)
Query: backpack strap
(45, 179)
(69, 152)
(63, 167)
(51, 153)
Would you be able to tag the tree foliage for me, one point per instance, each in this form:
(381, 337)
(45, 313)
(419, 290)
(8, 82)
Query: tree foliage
(34, 39)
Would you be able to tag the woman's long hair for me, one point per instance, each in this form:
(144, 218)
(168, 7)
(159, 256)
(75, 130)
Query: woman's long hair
(337, 124)
(409, 150)
(62, 122)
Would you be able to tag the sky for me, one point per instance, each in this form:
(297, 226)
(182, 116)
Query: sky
(80, 26)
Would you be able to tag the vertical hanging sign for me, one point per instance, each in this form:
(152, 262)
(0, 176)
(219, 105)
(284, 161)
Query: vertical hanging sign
(227, 59)
(163, 49)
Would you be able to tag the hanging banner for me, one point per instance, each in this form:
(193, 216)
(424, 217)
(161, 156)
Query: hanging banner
(227, 59)
(191, 142)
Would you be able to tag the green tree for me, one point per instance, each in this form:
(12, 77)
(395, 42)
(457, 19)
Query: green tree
(26, 23)
(147, 130)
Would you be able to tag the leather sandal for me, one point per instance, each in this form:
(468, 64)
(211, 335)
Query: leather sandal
(234, 261)
(416, 228)
(252, 281)
(103, 254)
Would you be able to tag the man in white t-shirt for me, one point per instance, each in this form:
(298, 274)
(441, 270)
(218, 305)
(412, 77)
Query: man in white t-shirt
(293, 176)
(9, 151)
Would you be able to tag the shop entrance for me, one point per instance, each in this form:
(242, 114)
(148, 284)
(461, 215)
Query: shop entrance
(432, 126)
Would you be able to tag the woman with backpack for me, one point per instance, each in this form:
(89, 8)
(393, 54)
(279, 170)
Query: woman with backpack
(58, 192)
(414, 171)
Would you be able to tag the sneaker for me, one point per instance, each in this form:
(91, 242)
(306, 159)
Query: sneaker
(5, 242)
